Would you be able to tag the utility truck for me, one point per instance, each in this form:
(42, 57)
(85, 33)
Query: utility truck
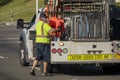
(86, 38)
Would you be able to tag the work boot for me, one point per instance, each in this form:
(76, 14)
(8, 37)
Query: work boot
(32, 72)
(44, 74)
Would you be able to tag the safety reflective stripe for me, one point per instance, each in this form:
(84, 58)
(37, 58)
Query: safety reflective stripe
(42, 36)
(42, 32)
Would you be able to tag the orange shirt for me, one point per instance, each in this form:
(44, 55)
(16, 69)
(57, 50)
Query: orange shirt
(56, 23)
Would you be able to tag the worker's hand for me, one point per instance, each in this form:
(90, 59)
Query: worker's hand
(60, 28)
(52, 34)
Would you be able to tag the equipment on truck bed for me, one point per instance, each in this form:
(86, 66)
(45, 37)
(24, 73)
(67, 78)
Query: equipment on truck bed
(88, 34)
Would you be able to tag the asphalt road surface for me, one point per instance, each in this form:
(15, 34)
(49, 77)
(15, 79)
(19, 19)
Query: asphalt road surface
(10, 68)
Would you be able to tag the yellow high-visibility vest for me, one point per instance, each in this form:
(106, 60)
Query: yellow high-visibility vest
(42, 32)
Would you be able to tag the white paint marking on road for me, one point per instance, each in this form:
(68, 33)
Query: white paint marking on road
(37, 68)
(9, 42)
(9, 38)
(2, 57)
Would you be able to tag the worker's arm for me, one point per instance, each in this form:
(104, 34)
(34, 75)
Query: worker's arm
(52, 30)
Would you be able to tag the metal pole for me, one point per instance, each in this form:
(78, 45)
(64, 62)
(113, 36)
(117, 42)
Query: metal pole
(36, 8)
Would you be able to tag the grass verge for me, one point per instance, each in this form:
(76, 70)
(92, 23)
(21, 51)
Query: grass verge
(16, 9)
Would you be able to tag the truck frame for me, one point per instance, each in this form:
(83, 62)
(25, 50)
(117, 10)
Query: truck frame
(86, 38)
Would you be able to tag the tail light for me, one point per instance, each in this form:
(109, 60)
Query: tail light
(54, 50)
(59, 50)
(65, 50)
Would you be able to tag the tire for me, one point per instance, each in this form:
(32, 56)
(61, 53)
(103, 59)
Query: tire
(23, 55)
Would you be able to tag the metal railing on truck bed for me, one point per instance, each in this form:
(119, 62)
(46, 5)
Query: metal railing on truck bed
(89, 19)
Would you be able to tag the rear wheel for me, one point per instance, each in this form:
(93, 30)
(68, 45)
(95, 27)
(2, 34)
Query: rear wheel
(23, 55)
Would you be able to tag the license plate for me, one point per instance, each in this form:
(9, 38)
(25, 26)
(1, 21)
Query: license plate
(90, 56)
(117, 56)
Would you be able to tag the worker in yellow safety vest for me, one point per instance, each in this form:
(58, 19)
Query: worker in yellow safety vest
(43, 32)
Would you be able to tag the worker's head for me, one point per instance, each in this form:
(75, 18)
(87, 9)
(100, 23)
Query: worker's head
(43, 16)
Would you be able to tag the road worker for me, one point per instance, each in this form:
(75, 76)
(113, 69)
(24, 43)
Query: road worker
(43, 31)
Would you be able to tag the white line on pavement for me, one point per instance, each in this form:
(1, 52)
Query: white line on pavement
(2, 57)
(9, 38)
(37, 68)
(10, 42)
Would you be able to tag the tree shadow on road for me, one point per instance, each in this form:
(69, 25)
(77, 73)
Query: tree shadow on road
(4, 2)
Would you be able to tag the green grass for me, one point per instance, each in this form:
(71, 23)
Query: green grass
(24, 9)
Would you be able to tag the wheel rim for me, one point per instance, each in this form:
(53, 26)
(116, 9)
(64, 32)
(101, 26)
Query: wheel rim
(21, 55)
